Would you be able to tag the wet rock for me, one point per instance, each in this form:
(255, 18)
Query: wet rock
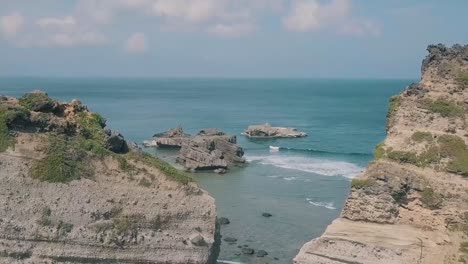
(248, 251)
(224, 221)
(230, 239)
(220, 171)
(267, 215)
(173, 138)
(261, 253)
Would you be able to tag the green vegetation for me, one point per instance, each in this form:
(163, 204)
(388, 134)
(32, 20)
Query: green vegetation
(431, 199)
(65, 161)
(37, 102)
(443, 107)
(379, 151)
(395, 102)
(403, 156)
(163, 166)
(362, 183)
(91, 125)
(144, 182)
(8, 114)
(155, 223)
(64, 228)
(45, 217)
(462, 79)
(420, 136)
(464, 247)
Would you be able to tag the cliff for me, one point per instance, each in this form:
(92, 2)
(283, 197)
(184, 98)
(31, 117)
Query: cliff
(73, 192)
(411, 204)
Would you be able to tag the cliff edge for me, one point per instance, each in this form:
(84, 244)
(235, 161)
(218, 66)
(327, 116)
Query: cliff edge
(74, 192)
(411, 203)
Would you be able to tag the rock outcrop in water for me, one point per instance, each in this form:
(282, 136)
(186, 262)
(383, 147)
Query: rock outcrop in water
(72, 192)
(268, 131)
(410, 205)
(211, 149)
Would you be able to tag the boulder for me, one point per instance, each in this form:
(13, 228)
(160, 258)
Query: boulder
(268, 131)
(197, 240)
(267, 215)
(115, 142)
(224, 221)
(230, 239)
(261, 253)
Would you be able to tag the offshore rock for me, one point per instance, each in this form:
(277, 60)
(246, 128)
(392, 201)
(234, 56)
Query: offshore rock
(268, 131)
(210, 149)
(173, 138)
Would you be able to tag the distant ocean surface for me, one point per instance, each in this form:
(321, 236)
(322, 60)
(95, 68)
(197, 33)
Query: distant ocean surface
(304, 185)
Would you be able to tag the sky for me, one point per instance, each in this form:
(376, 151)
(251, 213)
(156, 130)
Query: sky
(225, 38)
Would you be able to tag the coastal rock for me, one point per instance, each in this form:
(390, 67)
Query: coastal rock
(267, 215)
(409, 206)
(62, 201)
(115, 142)
(210, 149)
(247, 251)
(224, 221)
(268, 131)
(230, 239)
(173, 138)
(261, 253)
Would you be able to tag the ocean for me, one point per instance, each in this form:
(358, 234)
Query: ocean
(303, 186)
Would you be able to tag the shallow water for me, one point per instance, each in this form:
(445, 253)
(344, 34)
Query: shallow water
(304, 185)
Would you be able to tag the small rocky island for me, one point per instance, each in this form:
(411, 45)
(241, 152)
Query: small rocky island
(209, 150)
(268, 131)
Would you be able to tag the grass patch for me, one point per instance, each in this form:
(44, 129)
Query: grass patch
(379, 151)
(92, 126)
(420, 136)
(362, 183)
(9, 114)
(65, 161)
(464, 247)
(144, 182)
(161, 165)
(37, 101)
(444, 108)
(431, 199)
(394, 104)
(462, 79)
(403, 156)
(45, 217)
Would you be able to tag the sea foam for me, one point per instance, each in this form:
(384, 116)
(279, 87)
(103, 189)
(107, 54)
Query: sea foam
(309, 164)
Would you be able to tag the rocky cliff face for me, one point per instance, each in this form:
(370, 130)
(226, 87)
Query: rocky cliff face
(72, 192)
(411, 204)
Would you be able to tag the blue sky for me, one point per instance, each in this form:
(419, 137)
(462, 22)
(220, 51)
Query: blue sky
(225, 38)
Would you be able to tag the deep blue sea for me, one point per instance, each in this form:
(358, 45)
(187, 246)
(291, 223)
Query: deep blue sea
(304, 185)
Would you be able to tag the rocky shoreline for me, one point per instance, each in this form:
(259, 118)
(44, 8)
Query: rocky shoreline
(409, 206)
(268, 131)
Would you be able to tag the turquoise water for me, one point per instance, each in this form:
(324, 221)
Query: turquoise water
(304, 185)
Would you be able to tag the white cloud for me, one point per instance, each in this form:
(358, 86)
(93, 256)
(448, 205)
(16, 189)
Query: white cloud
(232, 30)
(314, 15)
(12, 24)
(66, 23)
(136, 43)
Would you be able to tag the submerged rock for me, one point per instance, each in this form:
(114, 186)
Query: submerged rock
(268, 131)
(267, 215)
(224, 221)
(261, 253)
(248, 251)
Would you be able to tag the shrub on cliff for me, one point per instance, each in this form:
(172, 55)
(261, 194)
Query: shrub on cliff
(443, 107)
(362, 183)
(8, 115)
(64, 161)
(37, 101)
(431, 199)
(462, 79)
(420, 136)
(394, 104)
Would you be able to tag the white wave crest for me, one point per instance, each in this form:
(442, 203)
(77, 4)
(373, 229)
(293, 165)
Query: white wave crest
(329, 205)
(309, 164)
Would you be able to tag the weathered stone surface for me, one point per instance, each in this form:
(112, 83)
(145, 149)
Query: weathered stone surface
(268, 131)
(173, 138)
(210, 150)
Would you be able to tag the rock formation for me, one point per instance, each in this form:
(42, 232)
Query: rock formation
(268, 131)
(72, 192)
(410, 205)
(211, 149)
(173, 138)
